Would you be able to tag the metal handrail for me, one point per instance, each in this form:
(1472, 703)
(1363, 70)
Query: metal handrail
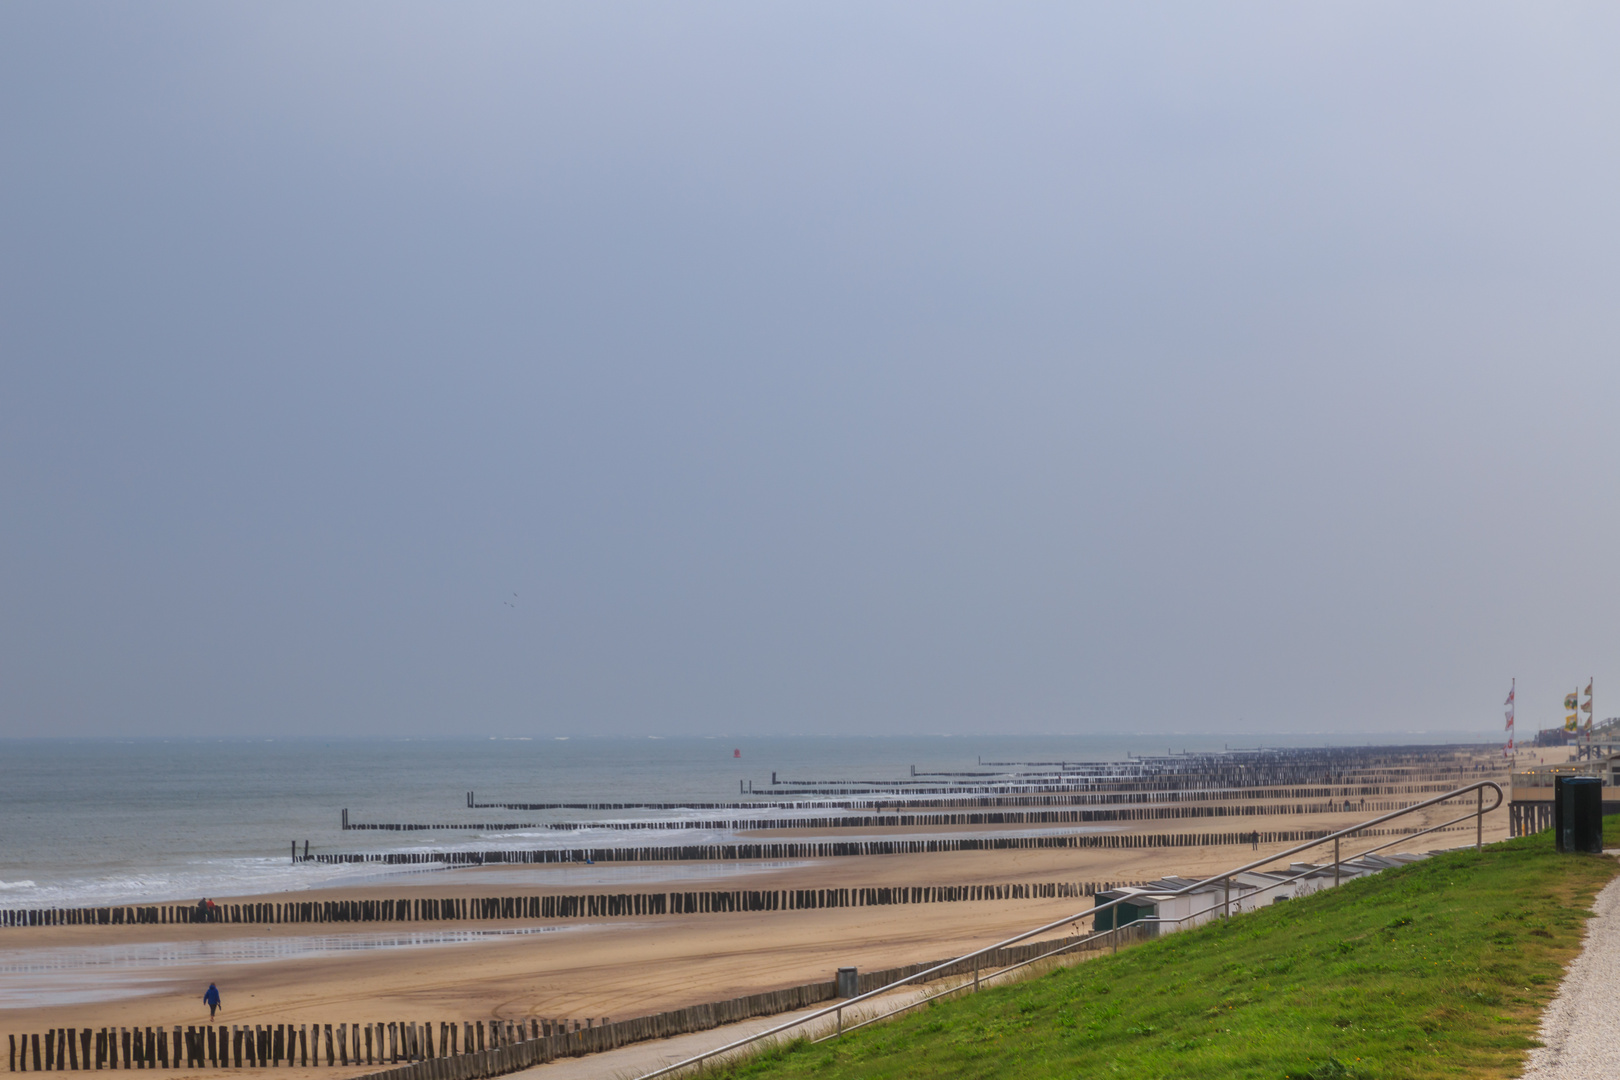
(1478, 814)
(1149, 921)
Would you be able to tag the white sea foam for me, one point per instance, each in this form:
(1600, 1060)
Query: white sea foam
(214, 877)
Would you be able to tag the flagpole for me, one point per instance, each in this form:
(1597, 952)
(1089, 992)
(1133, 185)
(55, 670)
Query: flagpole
(1507, 751)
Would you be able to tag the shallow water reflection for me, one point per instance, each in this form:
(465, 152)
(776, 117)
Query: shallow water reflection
(71, 974)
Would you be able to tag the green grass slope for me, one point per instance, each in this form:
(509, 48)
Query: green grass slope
(1439, 969)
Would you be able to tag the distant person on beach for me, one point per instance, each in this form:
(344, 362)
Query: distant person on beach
(211, 999)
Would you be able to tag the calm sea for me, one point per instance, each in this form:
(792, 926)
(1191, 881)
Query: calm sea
(108, 821)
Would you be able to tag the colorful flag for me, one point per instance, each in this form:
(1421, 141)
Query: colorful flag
(1588, 690)
(1587, 707)
(1509, 700)
(1569, 722)
(1570, 700)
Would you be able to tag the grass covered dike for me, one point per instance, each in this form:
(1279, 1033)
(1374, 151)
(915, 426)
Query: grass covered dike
(1438, 969)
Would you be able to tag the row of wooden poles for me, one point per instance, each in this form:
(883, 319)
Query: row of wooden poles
(1205, 770)
(261, 1045)
(822, 849)
(900, 821)
(460, 1050)
(913, 802)
(1148, 780)
(616, 904)
(589, 905)
(1234, 778)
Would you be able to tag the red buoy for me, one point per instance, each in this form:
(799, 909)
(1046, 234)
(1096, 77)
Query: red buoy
(736, 753)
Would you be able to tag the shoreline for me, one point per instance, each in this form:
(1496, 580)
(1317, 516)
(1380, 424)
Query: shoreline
(663, 926)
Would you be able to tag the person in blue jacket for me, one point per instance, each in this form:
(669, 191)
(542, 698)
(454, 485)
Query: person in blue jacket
(211, 999)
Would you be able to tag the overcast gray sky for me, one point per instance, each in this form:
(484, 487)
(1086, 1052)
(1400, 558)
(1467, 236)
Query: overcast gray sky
(848, 368)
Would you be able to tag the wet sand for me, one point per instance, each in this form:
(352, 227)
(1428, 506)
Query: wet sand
(580, 968)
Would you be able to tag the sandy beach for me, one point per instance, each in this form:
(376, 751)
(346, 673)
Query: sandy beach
(575, 968)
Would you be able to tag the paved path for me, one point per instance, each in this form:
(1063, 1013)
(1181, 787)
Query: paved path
(643, 1057)
(1581, 1029)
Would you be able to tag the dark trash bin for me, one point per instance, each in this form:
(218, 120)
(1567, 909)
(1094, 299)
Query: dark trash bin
(1579, 809)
